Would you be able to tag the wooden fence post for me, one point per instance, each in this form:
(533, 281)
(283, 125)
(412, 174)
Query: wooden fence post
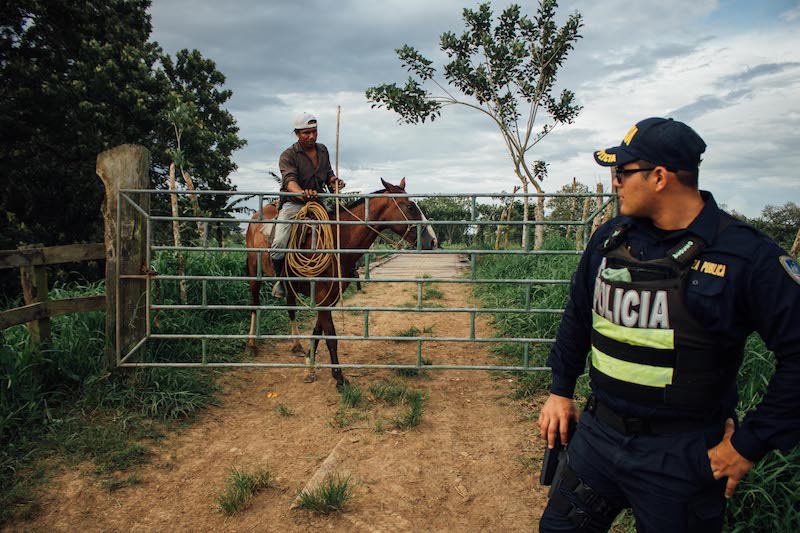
(124, 167)
(34, 290)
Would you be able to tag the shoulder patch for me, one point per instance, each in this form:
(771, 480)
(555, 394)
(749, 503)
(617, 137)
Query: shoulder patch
(790, 265)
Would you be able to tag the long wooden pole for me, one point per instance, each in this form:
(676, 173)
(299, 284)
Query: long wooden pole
(336, 189)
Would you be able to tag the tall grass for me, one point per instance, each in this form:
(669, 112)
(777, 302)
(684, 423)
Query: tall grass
(220, 322)
(766, 500)
(63, 399)
(542, 296)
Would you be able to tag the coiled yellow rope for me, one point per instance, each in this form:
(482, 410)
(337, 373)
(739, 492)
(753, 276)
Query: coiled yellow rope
(308, 263)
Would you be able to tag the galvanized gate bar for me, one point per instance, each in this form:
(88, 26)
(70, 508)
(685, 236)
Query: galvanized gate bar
(472, 279)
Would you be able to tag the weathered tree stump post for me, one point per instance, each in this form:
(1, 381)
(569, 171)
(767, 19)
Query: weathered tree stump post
(34, 289)
(124, 167)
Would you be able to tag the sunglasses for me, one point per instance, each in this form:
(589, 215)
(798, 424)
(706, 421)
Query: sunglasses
(622, 172)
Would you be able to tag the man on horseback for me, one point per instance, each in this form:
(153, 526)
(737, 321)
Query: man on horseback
(305, 170)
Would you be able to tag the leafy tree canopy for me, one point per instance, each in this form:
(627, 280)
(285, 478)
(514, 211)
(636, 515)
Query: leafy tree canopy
(505, 69)
(81, 77)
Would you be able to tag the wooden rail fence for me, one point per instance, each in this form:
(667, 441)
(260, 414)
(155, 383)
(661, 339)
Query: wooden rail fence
(31, 261)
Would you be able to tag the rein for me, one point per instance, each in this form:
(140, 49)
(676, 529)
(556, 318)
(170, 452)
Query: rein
(397, 243)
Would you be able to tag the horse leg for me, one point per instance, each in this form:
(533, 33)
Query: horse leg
(255, 290)
(311, 374)
(297, 348)
(326, 321)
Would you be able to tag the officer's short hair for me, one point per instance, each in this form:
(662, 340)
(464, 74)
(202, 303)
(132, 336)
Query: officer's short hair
(688, 178)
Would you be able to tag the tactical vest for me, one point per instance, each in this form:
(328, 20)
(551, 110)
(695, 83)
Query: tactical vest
(647, 348)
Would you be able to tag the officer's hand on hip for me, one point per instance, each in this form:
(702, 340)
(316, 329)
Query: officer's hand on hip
(727, 462)
(555, 417)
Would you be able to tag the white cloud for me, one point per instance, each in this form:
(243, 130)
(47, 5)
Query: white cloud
(636, 60)
(791, 15)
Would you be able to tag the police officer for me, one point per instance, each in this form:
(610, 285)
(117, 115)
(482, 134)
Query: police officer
(306, 170)
(663, 300)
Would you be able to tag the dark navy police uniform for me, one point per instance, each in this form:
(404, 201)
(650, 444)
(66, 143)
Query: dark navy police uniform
(660, 403)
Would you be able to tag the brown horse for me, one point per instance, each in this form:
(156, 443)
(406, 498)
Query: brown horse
(353, 236)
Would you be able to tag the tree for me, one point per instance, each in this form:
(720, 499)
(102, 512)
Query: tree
(80, 77)
(443, 208)
(782, 223)
(506, 71)
(568, 208)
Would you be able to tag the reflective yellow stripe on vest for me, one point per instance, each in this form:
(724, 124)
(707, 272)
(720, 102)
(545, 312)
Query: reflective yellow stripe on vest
(641, 374)
(661, 339)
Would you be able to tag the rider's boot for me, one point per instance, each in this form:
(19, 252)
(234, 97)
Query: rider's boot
(279, 290)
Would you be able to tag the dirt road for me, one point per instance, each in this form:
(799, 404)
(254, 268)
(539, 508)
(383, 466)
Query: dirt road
(470, 465)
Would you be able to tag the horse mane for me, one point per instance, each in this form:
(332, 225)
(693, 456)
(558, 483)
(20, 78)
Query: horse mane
(355, 203)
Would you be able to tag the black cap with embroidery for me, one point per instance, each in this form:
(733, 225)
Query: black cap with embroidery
(661, 141)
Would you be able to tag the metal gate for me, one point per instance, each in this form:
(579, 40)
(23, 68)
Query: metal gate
(138, 356)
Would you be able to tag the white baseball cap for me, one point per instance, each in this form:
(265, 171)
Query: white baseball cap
(304, 121)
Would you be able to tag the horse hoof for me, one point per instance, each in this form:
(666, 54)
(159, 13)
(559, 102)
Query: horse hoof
(309, 378)
(340, 385)
(298, 350)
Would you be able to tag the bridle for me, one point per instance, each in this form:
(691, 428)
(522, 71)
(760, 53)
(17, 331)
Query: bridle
(397, 243)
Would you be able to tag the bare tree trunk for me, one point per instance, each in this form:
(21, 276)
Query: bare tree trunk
(796, 246)
(507, 228)
(195, 204)
(539, 229)
(525, 216)
(579, 232)
(220, 240)
(572, 206)
(598, 202)
(176, 232)
(500, 225)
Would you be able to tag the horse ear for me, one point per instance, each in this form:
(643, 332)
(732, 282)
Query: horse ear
(403, 184)
(386, 185)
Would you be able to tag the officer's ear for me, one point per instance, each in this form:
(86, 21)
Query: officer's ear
(660, 178)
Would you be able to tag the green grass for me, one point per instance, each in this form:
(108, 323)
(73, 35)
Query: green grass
(284, 410)
(513, 296)
(114, 484)
(432, 293)
(328, 497)
(63, 402)
(345, 418)
(240, 487)
(413, 413)
(412, 331)
(411, 400)
(413, 372)
(765, 500)
(387, 404)
(350, 396)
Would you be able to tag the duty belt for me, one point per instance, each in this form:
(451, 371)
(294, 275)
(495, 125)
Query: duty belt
(644, 426)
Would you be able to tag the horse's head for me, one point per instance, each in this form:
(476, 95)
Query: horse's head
(404, 209)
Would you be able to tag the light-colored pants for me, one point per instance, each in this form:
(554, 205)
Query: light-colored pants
(282, 231)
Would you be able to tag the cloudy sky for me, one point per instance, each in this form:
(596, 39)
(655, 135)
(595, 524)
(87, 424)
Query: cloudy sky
(730, 69)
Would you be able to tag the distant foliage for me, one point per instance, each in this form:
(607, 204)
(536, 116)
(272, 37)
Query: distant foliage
(81, 77)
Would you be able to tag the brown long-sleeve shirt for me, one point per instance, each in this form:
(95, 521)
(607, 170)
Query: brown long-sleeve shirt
(296, 166)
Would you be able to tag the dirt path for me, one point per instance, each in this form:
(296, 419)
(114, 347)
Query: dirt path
(471, 465)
